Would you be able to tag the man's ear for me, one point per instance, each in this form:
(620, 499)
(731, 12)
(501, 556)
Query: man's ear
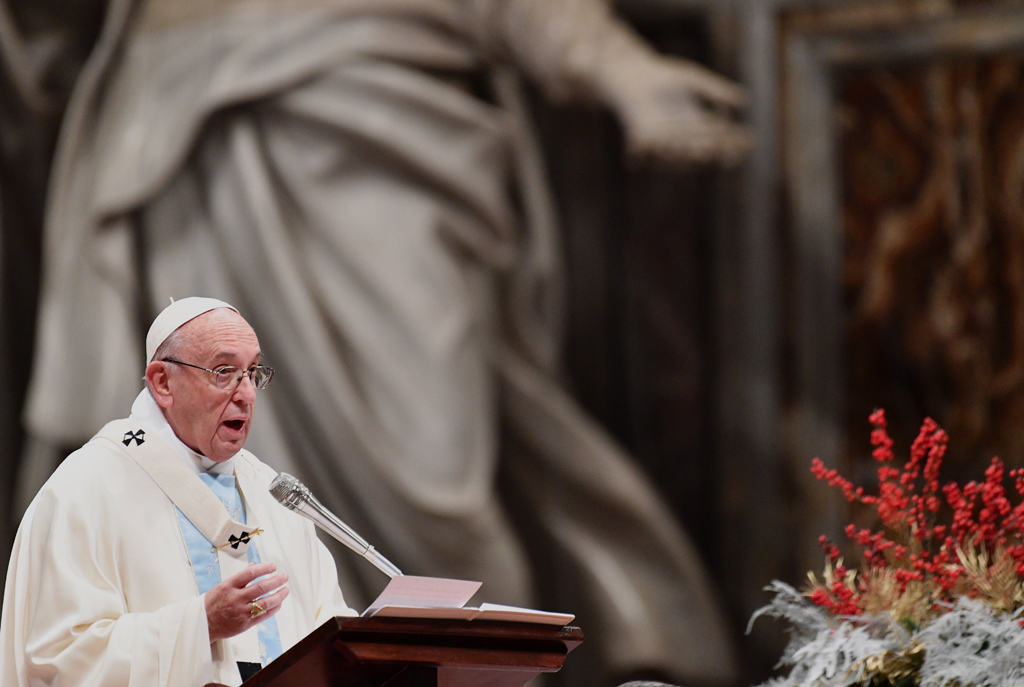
(159, 383)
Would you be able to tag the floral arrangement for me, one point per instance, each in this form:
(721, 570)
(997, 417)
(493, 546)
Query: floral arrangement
(938, 599)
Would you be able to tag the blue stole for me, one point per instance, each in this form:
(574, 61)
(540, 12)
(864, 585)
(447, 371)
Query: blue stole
(204, 557)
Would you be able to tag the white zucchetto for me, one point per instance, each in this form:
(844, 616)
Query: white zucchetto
(176, 314)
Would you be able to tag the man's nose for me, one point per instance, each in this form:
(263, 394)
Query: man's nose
(246, 389)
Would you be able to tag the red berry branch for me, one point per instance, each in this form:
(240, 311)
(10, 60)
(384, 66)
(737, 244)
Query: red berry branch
(942, 537)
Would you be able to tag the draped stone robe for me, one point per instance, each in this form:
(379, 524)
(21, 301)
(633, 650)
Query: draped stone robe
(359, 178)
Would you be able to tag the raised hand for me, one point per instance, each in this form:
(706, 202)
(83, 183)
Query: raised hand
(233, 606)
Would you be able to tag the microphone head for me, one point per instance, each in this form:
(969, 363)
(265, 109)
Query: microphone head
(290, 492)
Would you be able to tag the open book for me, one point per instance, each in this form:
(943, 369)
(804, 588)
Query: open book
(409, 596)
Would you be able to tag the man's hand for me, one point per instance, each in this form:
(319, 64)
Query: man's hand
(229, 604)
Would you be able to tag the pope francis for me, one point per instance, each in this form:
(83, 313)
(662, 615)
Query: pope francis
(155, 555)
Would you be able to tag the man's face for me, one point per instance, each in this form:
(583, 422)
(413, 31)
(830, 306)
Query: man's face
(210, 420)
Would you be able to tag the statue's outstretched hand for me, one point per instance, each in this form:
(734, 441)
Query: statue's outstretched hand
(670, 109)
(676, 110)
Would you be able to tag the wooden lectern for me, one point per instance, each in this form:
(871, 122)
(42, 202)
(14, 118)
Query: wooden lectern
(404, 652)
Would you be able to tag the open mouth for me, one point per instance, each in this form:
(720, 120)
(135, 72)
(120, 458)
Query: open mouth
(235, 425)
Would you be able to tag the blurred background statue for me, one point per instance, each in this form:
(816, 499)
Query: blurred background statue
(43, 45)
(360, 177)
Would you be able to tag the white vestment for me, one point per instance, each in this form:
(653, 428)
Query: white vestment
(100, 589)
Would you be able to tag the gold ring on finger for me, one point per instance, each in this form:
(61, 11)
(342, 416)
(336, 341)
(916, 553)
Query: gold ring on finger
(256, 611)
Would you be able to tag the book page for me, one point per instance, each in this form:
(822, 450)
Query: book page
(428, 592)
(522, 615)
(486, 611)
(423, 612)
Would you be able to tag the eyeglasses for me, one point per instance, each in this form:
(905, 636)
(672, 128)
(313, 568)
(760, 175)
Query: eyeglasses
(228, 378)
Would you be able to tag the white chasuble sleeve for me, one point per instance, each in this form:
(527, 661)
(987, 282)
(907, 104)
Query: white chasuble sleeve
(97, 593)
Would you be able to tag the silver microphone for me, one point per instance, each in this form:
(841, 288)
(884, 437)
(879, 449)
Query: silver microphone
(293, 495)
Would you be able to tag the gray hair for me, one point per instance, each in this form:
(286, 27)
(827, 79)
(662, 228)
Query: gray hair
(170, 348)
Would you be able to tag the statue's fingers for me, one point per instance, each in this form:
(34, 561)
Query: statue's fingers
(716, 142)
(713, 87)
